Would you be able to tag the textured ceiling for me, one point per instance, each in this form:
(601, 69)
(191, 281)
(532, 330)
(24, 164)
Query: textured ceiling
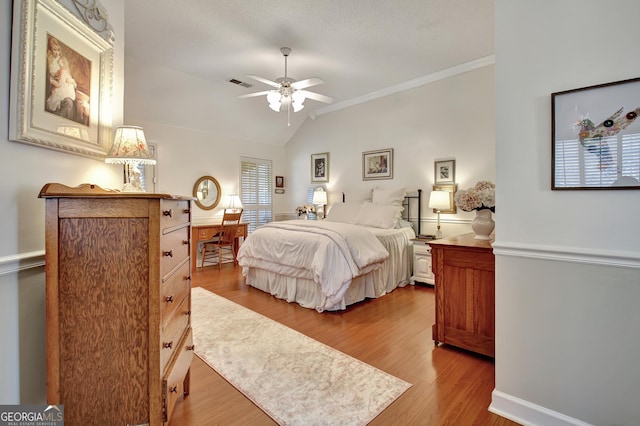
(356, 46)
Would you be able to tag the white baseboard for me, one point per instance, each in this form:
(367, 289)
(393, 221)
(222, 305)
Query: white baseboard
(527, 413)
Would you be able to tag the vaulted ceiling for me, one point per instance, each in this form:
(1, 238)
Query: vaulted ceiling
(358, 47)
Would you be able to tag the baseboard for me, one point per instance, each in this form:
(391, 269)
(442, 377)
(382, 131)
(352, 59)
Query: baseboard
(527, 413)
(21, 262)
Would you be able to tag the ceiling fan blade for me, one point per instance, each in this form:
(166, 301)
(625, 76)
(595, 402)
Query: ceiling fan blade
(251, 95)
(265, 81)
(303, 84)
(317, 97)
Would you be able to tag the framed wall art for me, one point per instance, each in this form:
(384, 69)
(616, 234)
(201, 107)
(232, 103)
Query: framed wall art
(279, 185)
(61, 81)
(445, 172)
(595, 141)
(377, 164)
(320, 167)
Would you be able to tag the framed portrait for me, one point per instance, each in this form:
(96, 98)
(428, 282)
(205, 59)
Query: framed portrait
(444, 172)
(595, 134)
(377, 164)
(61, 81)
(320, 167)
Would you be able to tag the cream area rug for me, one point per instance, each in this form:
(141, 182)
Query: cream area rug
(294, 379)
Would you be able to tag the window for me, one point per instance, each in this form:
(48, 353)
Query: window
(256, 187)
(597, 162)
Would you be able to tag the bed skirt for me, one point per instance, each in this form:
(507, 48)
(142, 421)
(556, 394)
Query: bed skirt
(394, 272)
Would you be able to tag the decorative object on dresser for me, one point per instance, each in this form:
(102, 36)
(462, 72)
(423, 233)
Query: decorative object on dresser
(118, 302)
(438, 201)
(464, 268)
(206, 192)
(130, 148)
(482, 199)
(377, 164)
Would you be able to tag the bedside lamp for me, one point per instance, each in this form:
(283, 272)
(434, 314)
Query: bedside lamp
(319, 199)
(439, 200)
(130, 148)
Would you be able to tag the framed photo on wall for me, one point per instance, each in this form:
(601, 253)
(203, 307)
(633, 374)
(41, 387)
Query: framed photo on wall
(444, 172)
(377, 164)
(61, 81)
(320, 167)
(279, 185)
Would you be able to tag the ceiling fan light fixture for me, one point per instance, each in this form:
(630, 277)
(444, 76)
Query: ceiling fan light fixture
(274, 99)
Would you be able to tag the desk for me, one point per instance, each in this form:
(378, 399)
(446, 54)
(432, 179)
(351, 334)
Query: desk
(206, 231)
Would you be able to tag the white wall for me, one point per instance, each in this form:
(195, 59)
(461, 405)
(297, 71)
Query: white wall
(24, 170)
(451, 118)
(567, 262)
(187, 150)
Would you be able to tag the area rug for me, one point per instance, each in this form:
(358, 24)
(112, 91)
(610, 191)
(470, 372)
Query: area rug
(294, 379)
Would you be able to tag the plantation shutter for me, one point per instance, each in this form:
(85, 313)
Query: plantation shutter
(256, 187)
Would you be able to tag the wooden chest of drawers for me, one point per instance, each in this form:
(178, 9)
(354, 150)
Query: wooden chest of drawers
(118, 304)
(465, 293)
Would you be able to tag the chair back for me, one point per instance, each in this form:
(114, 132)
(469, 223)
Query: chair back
(229, 228)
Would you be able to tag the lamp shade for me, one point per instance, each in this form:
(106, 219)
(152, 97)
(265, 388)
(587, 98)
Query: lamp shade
(440, 200)
(129, 146)
(319, 196)
(233, 202)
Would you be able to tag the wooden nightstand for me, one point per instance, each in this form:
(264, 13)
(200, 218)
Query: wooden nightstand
(422, 272)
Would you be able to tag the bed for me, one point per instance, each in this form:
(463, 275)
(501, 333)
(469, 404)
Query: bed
(361, 250)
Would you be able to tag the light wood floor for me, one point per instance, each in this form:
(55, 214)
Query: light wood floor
(393, 333)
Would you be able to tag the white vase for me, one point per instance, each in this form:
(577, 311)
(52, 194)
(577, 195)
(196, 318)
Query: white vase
(483, 224)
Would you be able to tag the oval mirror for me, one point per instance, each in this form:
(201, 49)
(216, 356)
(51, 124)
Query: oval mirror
(207, 192)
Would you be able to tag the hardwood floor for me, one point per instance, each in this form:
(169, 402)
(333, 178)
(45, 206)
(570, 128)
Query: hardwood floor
(393, 333)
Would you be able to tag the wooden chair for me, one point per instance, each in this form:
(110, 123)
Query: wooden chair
(222, 248)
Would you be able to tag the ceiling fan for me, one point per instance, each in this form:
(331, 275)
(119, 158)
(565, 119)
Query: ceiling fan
(287, 91)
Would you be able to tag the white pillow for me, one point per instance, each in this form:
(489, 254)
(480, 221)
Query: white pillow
(343, 212)
(378, 215)
(393, 197)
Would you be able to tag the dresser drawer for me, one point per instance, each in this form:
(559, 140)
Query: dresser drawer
(175, 383)
(173, 332)
(174, 249)
(173, 213)
(173, 291)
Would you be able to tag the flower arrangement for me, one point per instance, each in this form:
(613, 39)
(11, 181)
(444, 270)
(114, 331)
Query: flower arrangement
(481, 196)
(305, 209)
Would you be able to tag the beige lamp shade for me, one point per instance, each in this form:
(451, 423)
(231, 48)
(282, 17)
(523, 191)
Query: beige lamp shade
(440, 200)
(129, 146)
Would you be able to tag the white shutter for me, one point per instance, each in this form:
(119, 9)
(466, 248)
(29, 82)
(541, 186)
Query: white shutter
(256, 189)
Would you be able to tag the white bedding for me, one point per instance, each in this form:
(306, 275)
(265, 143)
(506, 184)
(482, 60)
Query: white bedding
(319, 276)
(329, 253)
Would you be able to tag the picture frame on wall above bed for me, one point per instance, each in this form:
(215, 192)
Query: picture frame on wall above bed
(320, 167)
(377, 164)
(444, 172)
(61, 79)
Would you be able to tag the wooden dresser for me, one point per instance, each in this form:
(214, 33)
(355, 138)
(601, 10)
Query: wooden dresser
(464, 269)
(118, 304)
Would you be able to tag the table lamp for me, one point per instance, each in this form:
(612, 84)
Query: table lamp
(438, 201)
(319, 199)
(130, 148)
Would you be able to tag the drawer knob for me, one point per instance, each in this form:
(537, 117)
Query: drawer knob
(187, 278)
(174, 389)
(185, 242)
(187, 313)
(169, 299)
(186, 211)
(191, 347)
(167, 345)
(168, 253)
(168, 212)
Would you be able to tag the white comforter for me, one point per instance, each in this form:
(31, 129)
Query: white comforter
(329, 253)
